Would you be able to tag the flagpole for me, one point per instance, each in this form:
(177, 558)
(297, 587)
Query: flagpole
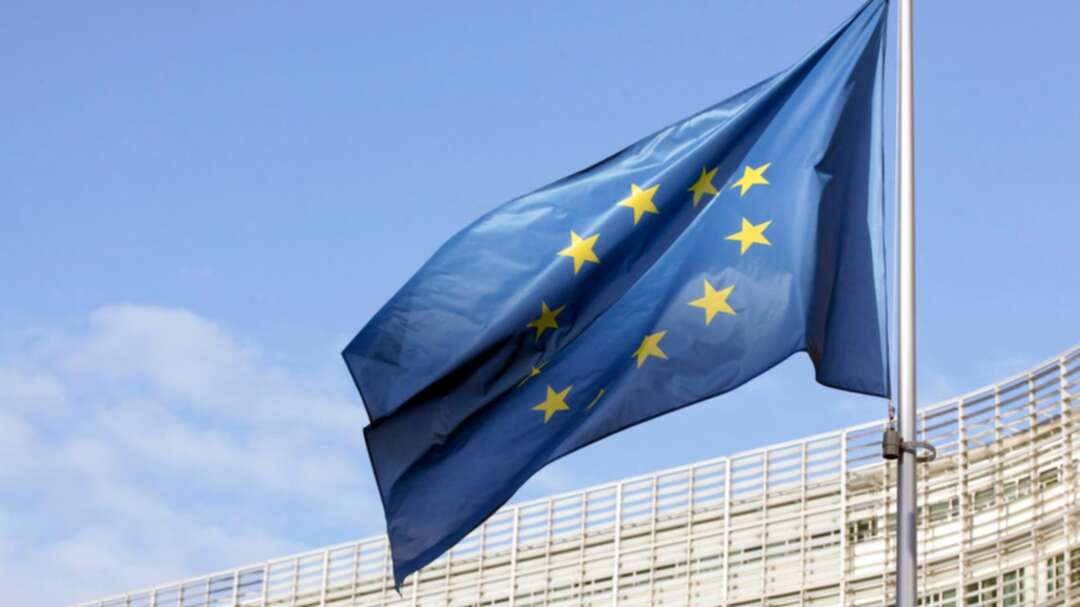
(906, 551)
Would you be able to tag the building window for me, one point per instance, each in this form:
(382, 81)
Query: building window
(1006, 591)
(1055, 574)
(1012, 588)
(862, 530)
(1016, 488)
(1049, 477)
(941, 598)
(983, 499)
(940, 512)
(983, 592)
(1074, 568)
(945, 511)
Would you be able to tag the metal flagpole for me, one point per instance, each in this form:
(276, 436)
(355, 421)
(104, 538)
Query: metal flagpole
(906, 555)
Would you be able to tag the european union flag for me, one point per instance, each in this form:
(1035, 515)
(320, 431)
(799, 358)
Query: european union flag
(673, 271)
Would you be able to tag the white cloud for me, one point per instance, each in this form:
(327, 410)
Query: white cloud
(151, 444)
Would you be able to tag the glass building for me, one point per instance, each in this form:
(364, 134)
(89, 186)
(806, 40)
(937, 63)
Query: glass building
(808, 522)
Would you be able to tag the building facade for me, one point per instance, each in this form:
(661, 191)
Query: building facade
(808, 522)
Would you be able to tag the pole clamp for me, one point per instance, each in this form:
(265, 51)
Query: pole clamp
(892, 445)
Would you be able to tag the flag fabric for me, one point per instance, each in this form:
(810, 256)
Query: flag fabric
(671, 272)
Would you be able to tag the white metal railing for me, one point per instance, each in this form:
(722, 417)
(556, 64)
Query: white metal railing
(808, 521)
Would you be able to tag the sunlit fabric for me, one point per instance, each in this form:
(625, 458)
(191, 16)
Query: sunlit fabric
(673, 271)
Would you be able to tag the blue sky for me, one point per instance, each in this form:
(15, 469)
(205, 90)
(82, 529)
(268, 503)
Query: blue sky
(200, 203)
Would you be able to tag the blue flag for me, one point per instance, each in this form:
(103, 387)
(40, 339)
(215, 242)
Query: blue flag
(673, 271)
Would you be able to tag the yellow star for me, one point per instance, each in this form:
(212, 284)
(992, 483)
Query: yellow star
(714, 301)
(640, 200)
(750, 178)
(554, 402)
(750, 234)
(581, 250)
(533, 372)
(546, 320)
(704, 185)
(650, 346)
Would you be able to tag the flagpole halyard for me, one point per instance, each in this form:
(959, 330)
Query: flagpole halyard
(906, 544)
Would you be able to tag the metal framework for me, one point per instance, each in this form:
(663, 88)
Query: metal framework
(808, 522)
